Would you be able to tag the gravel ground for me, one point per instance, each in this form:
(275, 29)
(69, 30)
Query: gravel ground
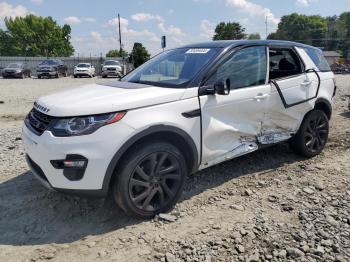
(267, 206)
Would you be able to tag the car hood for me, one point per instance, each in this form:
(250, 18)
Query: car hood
(105, 98)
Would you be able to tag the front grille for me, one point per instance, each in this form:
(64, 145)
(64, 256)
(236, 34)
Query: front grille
(111, 69)
(38, 121)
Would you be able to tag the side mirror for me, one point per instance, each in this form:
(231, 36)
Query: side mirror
(223, 87)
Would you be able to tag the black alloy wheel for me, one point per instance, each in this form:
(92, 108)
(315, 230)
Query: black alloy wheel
(155, 181)
(151, 180)
(312, 135)
(316, 133)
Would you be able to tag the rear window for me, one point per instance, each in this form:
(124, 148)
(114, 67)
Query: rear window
(317, 57)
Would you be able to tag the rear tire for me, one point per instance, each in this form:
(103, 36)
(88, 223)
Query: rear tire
(150, 180)
(312, 135)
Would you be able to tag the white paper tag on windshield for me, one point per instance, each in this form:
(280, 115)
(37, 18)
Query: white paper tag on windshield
(198, 51)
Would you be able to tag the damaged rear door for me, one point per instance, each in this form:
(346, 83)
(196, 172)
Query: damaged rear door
(231, 123)
(292, 91)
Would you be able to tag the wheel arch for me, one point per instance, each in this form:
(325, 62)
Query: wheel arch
(325, 106)
(174, 135)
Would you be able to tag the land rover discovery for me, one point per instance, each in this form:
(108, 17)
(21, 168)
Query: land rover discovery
(186, 109)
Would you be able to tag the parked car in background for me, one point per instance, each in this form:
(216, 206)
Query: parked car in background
(84, 69)
(111, 68)
(16, 70)
(52, 68)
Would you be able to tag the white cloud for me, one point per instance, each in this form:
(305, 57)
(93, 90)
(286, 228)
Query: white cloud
(97, 37)
(38, 2)
(90, 19)
(8, 10)
(144, 17)
(170, 30)
(124, 23)
(130, 36)
(304, 3)
(72, 20)
(253, 9)
(206, 29)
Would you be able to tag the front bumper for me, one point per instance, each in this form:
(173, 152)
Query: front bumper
(46, 73)
(82, 74)
(98, 148)
(15, 74)
(111, 73)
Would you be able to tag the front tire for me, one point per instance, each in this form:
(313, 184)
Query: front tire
(151, 180)
(312, 135)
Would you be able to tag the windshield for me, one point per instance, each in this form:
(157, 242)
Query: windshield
(174, 68)
(14, 65)
(83, 65)
(112, 63)
(49, 62)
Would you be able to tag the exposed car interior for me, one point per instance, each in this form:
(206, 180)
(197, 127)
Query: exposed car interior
(284, 63)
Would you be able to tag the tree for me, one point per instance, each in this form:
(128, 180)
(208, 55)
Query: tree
(255, 36)
(229, 31)
(35, 36)
(343, 31)
(117, 53)
(139, 55)
(302, 28)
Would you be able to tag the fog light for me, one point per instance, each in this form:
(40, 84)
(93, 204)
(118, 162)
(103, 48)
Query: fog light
(71, 161)
(74, 163)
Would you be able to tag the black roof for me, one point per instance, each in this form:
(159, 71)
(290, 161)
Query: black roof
(233, 43)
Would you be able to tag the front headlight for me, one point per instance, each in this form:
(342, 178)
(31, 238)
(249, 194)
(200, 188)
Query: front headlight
(84, 125)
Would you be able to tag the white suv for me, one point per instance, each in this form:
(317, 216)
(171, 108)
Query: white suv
(184, 110)
(111, 68)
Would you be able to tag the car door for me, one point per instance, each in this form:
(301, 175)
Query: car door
(292, 89)
(231, 123)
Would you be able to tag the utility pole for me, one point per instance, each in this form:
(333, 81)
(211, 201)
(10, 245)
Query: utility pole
(120, 36)
(266, 24)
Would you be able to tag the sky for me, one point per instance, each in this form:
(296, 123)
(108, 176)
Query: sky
(95, 28)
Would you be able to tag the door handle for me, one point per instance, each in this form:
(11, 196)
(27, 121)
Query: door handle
(306, 83)
(261, 97)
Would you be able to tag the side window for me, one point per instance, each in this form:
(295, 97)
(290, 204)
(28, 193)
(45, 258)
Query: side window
(318, 58)
(284, 63)
(245, 68)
